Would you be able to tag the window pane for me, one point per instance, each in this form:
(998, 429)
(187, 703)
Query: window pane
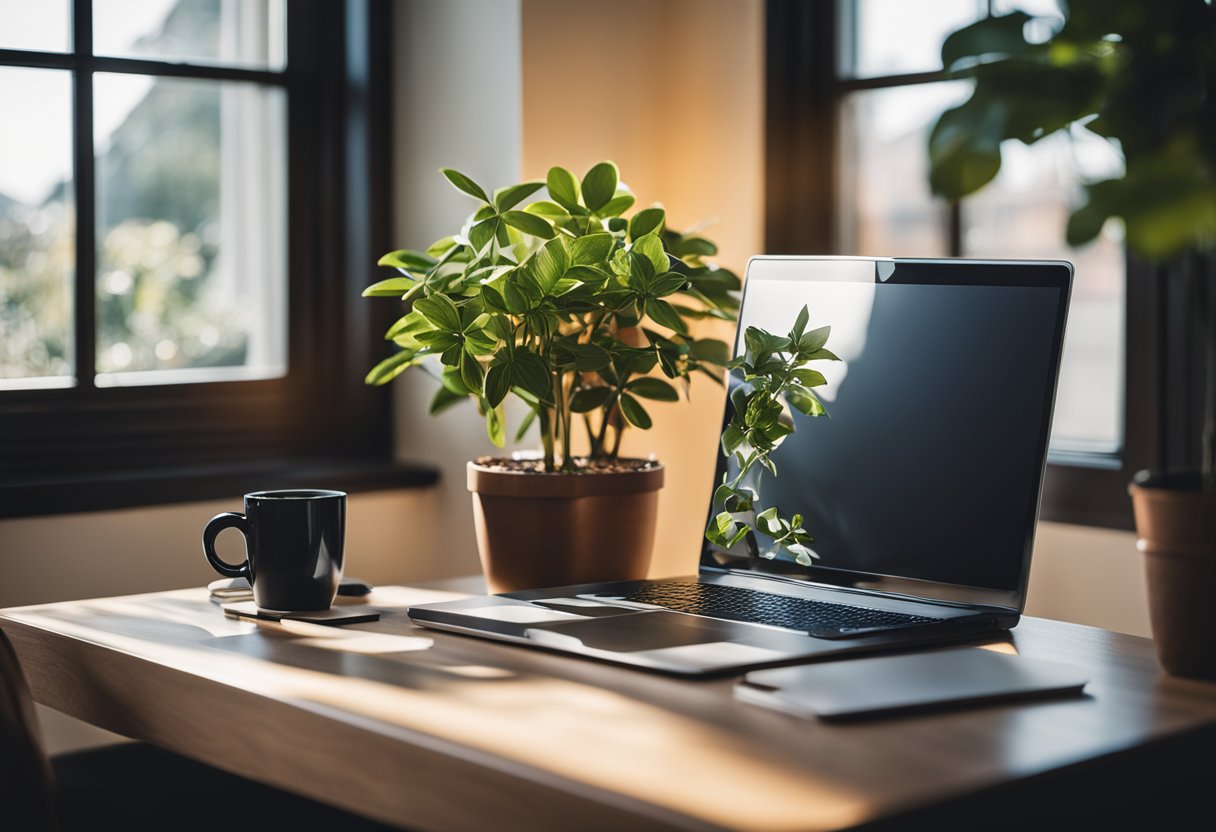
(40, 25)
(247, 33)
(191, 273)
(37, 228)
(893, 37)
(886, 207)
(1023, 213)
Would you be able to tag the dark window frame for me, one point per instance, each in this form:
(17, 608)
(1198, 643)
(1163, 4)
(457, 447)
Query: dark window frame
(85, 447)
(803, 96)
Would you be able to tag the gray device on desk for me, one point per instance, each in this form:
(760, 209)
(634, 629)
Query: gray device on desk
(885, 685)
(921, 489)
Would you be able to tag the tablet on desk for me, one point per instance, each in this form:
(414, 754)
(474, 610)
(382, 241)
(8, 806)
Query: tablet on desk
(906, 682)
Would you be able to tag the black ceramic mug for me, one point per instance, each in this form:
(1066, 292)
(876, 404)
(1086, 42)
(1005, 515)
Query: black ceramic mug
(293, 547)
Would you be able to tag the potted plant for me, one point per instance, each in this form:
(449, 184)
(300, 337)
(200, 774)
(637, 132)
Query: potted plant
(569, 307)
(1143, 77)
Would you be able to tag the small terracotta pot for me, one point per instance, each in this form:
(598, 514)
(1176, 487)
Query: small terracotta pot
(1177, 531)
(537, 530)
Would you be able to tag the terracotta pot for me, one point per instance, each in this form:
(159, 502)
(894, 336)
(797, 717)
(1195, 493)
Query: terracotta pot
(536, 530)
(1177, 530)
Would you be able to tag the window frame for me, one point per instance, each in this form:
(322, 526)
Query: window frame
(63, 448)
(803, 96)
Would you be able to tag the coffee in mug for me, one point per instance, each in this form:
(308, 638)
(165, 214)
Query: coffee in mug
(293, 546)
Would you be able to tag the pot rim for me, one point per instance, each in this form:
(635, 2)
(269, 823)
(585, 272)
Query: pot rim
(559, 484)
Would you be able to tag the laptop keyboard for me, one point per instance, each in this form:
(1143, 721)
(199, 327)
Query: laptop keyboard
(819, 618)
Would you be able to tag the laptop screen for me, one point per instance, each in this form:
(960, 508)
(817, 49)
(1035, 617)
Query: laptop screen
(928, 466)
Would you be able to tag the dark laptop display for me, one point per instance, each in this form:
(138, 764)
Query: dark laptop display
(921, 488)
(928, 465)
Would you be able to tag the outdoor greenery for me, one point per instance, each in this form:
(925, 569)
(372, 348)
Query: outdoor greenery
(1139, 74)
(776, 376)
(563, 303)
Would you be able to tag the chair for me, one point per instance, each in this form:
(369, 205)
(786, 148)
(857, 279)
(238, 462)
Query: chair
(131, 786)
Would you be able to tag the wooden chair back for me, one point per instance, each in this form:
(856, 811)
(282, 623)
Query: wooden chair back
(25, 773)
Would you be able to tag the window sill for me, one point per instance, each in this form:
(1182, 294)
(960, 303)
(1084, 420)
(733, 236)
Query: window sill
(32, 496)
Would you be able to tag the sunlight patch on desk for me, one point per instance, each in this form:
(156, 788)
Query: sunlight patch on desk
(369, 643)
(557, 727)
(407, 596)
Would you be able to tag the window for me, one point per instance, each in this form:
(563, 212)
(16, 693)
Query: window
(187, 214)
(854, 88)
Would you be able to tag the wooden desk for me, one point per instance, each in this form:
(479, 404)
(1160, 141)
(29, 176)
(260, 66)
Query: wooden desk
(438, 731)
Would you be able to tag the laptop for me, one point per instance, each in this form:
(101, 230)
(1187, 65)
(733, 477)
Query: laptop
(920, 487)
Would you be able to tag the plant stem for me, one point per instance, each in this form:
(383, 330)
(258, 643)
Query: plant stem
(545, 417)
(563, 406)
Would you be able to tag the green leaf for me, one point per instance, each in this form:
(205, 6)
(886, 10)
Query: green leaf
(524, 425)
(530, 372)
(441, 246)
(646, 221)
(390, 368)
(529, 224)
(690, 245)
(1000, 35)
(451, 380)
(441, 311)
(590, 398)
(667, 284)
(809, 378)
(393, 287)
(591, 250)
(768, 522)
(651, 247)
(413, 261)
(512, 195)
(732, 438)
(588, 357)
(653, 388)
(516, 297)
(498, 383)
(565, 285)
(634, 412)
(802, 555)
(563, 187)
(618, 205)
(724, 524)
(464, 183)
(965, 147)
(814, 340)
(599, 185)
(496, 427)
(759, 342)
(711, 350)
(479, 342)
(408, 327)
(550, 264)
(470, 372)
(492, 299)
(445, 398)
(664, 314)
(804, 401)
(483, 232)
(823, 355)
(545, 208)
(800, 323)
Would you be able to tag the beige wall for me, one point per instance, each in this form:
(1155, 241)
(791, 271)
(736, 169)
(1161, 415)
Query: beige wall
(672, 91)
(456, 104)
(88, 555)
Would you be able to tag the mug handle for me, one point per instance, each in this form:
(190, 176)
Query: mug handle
(226, 520)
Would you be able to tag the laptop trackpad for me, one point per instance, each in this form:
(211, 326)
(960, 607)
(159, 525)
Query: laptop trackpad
(638, 631)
